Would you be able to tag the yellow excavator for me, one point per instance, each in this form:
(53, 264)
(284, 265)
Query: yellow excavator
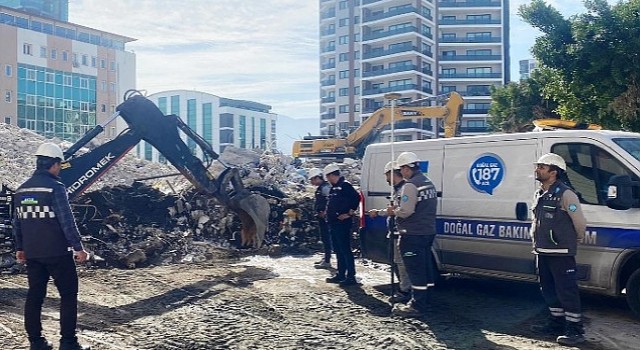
(327, 147)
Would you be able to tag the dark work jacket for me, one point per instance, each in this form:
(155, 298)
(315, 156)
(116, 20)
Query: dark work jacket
(40, 234)
(423, 220)
(553, 230)
(342, 198)
(322, 196)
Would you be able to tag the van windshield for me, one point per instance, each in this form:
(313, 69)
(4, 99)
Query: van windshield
(631, 145)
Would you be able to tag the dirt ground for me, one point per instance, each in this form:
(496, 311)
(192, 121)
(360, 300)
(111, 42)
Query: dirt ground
(284, 303)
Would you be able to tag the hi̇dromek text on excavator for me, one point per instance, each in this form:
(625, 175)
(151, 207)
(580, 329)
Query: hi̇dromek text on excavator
(146, 122)
(354, 143)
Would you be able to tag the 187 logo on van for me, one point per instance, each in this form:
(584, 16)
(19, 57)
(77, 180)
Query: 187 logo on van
(486, 173)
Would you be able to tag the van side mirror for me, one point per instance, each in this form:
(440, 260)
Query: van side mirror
(620, 192)
(522, 211)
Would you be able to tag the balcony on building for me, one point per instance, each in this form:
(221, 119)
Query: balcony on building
(379, 51)
(392, 32)
(328, 99)
(328, 14)
(325, 32)
(470, 75)
(328, 49)
(399, 69)
(471, 58)
(446, 21)
(396, 88)
(330, 65)
(475, 110)
(376, 16)
(327, 116)
(469, 3)
(479, 92)
(328, 82)
(470, 40)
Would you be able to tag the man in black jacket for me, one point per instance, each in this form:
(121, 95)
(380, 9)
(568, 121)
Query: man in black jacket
(323, 188)
(47, 239)
(343, 201)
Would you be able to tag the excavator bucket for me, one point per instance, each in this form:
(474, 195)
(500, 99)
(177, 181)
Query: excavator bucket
(253, 211)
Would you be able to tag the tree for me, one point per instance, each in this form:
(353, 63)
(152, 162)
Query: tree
(517, 104)
(593, 61)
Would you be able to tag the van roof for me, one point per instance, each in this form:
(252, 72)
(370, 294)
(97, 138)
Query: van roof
(595, 134)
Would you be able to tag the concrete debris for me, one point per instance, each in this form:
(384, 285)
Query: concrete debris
(128, 224)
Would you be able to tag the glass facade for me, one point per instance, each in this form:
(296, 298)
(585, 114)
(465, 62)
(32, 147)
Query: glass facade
(56, 103)
(191, 122)
(56, 9)
(243, 131)
(207, 121)
(263, 133)
(162, 105)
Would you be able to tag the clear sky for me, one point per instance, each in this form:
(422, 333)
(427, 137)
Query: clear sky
(260, 50)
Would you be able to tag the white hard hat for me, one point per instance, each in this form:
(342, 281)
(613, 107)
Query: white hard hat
(407, 158)
(330, 168)
(552, 159)
(390, 166)
(313, 172)
(50, 150)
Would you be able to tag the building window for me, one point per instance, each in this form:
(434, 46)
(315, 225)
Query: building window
(356, 72)
(479, 36)
(49, 77)
(84, 83)
(356, 19)
(8, 70)
(448, 53)
(399, 26)
(448, 71)
(343, 39)
(85, 60)
(7, 96)
(112, 66)
(356, 107)
(343, 74)
(103, 108)
(31, 74)
(43, 52)
(479, 52)
(103, 85)
(343, 4)
(448, 88)
(54, 54)
(479, 70)
(476, 124)
(479, 17)
(27, 49)
(343, 92)
(7, 120)
(343, 57)
(356, 55)
(356, 90)
(448, 36)
(343, 22)
(67, 80)
(343, 109)
(94, 61)
(112, 87)
(356, 37)
(65, 56)
(103, 64)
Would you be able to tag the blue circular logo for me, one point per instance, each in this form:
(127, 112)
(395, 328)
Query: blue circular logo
(486, 173)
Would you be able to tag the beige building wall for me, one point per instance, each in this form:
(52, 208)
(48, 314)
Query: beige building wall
(8, 83)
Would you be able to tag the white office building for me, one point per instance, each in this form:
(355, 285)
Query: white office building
(220, 121)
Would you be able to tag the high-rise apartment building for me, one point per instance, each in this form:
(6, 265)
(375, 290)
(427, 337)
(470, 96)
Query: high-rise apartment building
(417, 48)
(527, 67)
(220, 121)
(55, 9)
(58, 78)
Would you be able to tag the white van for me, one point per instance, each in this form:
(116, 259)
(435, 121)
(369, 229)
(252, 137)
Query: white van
(485, 188)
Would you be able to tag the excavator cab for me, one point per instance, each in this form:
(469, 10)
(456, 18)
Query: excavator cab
(146, 122)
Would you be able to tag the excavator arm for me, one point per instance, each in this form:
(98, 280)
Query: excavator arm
(450, 112)
(146, 122)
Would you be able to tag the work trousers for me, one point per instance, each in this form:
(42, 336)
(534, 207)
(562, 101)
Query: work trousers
(325, 237)
(559, 286)
(400, 270)
(418, 260)
(65, 278)
(341, 237)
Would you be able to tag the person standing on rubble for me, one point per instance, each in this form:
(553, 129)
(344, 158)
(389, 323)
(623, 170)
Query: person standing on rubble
(342, 204)
(47, 239)
(323, 188)
(415, 212)
(393, 175)
(558, 225)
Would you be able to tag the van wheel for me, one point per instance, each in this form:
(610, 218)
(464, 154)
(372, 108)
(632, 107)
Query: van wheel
(633, 292)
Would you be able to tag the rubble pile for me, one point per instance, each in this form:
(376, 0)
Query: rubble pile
(17, 162)
(128, 223)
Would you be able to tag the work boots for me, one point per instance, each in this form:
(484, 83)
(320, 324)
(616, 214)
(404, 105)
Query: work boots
(72, 345)
(40, 344)
(553, 326)
(573, 334)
